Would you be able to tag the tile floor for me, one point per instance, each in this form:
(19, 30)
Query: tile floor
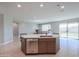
(68, 48)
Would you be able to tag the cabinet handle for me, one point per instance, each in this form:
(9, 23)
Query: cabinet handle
(32, 51)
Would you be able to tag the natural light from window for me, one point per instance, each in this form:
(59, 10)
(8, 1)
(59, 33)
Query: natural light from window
(46, 27)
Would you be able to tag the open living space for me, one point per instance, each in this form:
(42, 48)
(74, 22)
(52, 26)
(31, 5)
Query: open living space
(39, 29)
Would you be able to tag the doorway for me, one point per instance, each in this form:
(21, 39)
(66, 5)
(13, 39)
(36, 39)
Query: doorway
(15, 31)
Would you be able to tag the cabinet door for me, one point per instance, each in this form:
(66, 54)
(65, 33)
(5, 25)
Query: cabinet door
(47, 45)
(51, 47)
(42, 46)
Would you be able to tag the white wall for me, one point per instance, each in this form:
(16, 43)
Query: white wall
(23, 28)
(1, 28)
(2, 10)
(8, 29)
(27, 28)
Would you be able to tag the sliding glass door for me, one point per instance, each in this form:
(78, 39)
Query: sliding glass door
(63, 30)
(73, 30)
(69, 30)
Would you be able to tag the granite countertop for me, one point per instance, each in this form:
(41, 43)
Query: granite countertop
(38, 36)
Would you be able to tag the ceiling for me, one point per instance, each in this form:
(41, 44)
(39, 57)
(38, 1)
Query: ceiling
(32, 12)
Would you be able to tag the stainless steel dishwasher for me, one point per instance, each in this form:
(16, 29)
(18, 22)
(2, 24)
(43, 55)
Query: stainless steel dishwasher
(32, 46)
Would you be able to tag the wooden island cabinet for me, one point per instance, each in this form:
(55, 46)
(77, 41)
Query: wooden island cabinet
(48, 45)
(40, 45)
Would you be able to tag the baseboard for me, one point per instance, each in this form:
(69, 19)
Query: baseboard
(6, 42)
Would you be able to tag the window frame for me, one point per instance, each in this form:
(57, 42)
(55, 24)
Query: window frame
(44, 27)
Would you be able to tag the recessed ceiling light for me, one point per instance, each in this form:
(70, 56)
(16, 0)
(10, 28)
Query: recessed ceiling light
(41, 5)
(19, 5)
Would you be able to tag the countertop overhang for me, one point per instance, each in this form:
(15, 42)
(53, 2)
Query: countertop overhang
(36, 36)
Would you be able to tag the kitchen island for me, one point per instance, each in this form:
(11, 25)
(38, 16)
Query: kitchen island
(40, 44)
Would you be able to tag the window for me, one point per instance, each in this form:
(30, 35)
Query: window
(63, 30)
(46, 27)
